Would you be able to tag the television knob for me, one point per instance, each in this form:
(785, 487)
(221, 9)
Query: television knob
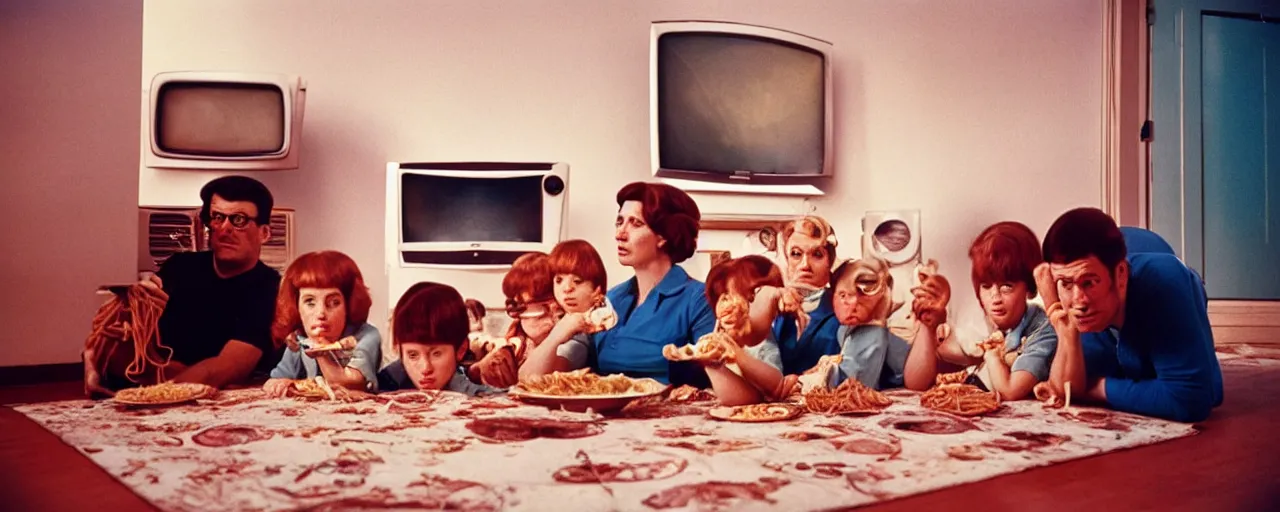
(553, 185)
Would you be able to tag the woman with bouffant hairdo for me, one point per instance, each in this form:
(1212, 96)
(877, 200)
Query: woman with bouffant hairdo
(808, 247)
(656, 228)
(322, 313)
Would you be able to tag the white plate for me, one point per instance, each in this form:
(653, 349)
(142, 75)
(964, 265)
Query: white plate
(597, 403)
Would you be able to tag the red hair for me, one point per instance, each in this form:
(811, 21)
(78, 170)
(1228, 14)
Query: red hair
(1005, 252)
(528, 281)
(323, 269)
(670, 213)
(579, 258)
(475, 308)
(746, 274)
(431, 313)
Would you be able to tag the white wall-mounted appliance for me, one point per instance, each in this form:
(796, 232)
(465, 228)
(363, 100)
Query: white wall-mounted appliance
(464, 223)
(894, 236)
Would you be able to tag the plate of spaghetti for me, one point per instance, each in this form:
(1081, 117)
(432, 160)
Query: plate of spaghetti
(850, 397)
(961, 399)
(580, 390)
(168, 393)
(756, 413)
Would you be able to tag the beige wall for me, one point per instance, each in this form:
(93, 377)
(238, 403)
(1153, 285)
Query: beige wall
(973, 112)
(68, 168)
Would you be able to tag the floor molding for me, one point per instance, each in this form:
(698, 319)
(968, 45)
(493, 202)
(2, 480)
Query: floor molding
(40, 374)
(1245, 321)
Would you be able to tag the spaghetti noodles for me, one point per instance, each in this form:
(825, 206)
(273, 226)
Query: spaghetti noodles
(132, 318)
(579, 383)
(716, 347)
(850, 396)
(951, 378)
(962, 399)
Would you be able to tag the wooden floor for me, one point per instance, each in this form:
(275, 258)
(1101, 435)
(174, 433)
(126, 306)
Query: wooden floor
(1232, 464)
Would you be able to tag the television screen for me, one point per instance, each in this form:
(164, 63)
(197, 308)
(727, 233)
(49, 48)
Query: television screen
(220, 119)
(733, 103)
(451, 209)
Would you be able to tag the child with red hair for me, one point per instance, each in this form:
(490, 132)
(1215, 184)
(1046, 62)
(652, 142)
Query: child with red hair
(429, 329)
(755, 282)
(537, 327)
(322, 310)
(1020, 352)
(579, 285)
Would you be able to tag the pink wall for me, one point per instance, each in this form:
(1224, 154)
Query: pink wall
(68, 180)
(973, 112)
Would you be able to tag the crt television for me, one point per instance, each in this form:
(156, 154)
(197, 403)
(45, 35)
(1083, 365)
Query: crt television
(223, 121)
(474, 214)
(732, 102)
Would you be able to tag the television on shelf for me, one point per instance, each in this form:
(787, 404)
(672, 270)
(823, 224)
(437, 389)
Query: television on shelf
(223, 121)
(738, 103)
(473, 215)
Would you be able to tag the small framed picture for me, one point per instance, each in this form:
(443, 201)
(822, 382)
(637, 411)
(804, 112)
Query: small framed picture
(717, 257)
(700, 264)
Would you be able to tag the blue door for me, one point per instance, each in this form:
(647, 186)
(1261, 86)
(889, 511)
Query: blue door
(1215, 187)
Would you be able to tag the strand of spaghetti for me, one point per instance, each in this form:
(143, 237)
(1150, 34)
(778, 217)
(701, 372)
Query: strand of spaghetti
(147, 315)
(108, 315)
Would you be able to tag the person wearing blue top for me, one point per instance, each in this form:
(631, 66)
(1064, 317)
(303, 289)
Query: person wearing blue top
(656, 228)
(869, 352)
(1141, 240)
(748, 295)
(429, 329)
(1133, 327)
(1003, 261)
(322, 310)
(809, 248)
(364, 357)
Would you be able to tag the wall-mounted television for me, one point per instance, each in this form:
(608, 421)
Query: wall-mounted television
(223, 121)
(473, 214)
(731, 102)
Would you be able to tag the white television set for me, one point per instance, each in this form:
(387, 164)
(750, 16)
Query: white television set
(217, 120)
(740, 104)
(473, 215)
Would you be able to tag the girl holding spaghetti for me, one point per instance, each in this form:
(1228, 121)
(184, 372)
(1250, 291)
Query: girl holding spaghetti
(321, 315)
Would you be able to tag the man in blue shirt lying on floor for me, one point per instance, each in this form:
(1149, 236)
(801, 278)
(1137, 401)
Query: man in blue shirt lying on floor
(1133, 327)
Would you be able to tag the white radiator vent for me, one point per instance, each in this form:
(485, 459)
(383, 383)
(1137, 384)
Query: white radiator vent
(165, 231)
(277, 253)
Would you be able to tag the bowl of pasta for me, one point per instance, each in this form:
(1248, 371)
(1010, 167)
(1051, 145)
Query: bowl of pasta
(581, 390)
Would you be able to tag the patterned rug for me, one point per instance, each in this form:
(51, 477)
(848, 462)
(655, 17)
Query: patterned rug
(1248, 355)
(241, 451)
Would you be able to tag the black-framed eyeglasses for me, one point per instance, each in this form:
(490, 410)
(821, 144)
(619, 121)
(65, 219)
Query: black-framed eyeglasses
(517, 310)
(238, 220)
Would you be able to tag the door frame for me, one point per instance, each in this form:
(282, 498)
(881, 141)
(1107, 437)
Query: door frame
(1125, 159)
